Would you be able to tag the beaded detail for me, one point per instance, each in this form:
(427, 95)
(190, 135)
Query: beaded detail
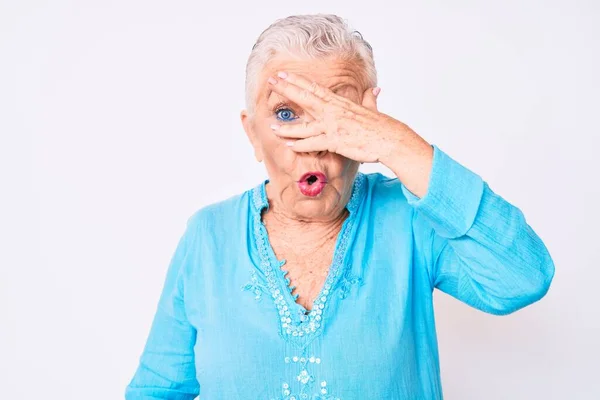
(295, 325)
(345, 284)
(256, 287)
(307, 381)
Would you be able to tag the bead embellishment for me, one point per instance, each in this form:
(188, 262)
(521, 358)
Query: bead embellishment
(254, 286)
(296, 326)
(306, 381)
(304, 377)
(346, 283)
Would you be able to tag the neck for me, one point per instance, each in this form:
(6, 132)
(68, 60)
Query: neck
(301, 237)
(300, 234)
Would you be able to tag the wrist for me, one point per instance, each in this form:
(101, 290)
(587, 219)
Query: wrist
(412, 166)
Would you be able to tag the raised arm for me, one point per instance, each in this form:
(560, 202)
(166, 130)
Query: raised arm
(166, 367)
(480, 248)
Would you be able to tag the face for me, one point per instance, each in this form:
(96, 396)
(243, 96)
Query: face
(291, 187)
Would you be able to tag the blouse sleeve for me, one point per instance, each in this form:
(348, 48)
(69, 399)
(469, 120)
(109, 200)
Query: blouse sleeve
(479, 247)
(166, 368)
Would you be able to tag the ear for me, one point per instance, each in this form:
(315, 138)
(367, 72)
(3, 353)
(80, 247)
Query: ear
(247, 124)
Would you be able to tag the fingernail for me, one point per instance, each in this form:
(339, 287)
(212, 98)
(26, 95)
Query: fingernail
(376, 91)
(275, 126)
(282, 74)
(289, 144)
(272, 80)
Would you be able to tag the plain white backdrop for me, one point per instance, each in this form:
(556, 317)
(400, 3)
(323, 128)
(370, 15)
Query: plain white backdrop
(119, 119)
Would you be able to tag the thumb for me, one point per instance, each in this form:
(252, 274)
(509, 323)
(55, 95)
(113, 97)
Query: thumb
(370, 98)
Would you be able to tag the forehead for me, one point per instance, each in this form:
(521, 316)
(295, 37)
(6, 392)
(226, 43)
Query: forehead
(332, 73)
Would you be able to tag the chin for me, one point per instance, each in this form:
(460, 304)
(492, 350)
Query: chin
(314, 207)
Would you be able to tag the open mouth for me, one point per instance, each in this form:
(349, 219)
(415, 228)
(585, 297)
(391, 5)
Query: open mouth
(312, 183)
(311, 179)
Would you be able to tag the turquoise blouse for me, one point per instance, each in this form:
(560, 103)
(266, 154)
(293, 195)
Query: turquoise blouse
(228, 327)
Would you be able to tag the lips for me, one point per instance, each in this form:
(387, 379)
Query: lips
(312, 183)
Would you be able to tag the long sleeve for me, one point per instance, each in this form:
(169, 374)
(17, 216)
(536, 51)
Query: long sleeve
(479, 247)
(166, 367)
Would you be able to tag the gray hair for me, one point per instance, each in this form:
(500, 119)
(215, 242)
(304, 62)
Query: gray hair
(307, 36)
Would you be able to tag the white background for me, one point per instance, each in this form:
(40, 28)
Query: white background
(119, 119)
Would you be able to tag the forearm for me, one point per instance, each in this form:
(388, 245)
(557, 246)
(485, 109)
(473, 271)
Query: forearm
(481, 249)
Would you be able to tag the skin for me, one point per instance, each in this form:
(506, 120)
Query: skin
(335, 126)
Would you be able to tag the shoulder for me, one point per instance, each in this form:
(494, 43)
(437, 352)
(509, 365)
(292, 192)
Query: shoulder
(390, 203)
(384, 189)
(220, 213)
(392, 207)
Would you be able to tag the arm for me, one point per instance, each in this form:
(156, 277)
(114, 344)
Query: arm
(166, 367)
(480, 248)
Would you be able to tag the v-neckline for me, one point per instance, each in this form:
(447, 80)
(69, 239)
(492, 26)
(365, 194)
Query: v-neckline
(296, 322)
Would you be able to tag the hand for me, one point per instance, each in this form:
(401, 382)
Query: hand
(356, 131)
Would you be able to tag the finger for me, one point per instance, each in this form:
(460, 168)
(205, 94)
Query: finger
(314, 143)
(370, 98)
(303, 130)
(303, 97)
(313, 87)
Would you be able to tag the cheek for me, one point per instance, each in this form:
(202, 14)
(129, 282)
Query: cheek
(269, 140)
(347, 166)
(280, 156)
(275, 152)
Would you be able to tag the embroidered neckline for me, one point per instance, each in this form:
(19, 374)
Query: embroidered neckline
(294, 325)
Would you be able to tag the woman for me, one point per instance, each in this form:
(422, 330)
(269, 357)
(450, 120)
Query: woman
(317, 283)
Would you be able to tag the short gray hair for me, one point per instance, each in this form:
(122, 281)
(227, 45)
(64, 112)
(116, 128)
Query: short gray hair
(308, 36)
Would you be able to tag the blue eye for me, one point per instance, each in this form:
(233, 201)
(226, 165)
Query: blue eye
(285, 114)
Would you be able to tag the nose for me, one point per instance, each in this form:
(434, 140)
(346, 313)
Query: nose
(317, 154)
